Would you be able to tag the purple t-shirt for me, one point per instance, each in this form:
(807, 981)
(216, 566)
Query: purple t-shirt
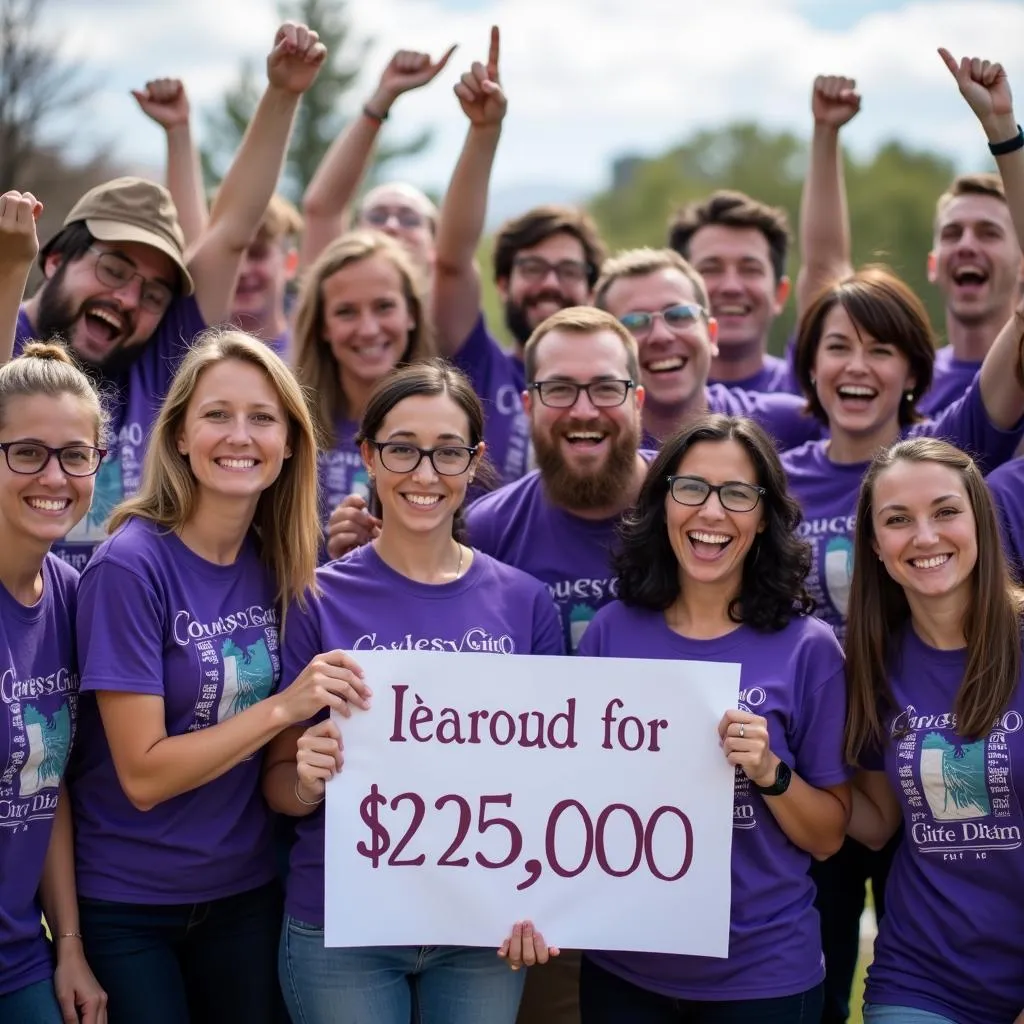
(784, 417)
(498, 378)
(342, 472)
(364, 605)
(794, 679)
(952, 939)
(132, 401)
(519, 526)
(828, 491)
(38, 712)
(774, 378)
(951, 377)
(1006, 483)
(155, 618)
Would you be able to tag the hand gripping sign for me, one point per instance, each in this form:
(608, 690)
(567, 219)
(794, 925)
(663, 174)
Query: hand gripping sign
(587, 795)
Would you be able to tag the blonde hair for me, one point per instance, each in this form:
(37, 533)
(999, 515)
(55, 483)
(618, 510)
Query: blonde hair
(581, 320)
(286, 518)
(280, 220)
(315, 364)
(644, 261)
(48, 369)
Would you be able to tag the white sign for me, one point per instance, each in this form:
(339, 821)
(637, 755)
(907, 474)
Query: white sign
(587, 795)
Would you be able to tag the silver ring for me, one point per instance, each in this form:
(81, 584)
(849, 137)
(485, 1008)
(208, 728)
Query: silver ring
(743, 729)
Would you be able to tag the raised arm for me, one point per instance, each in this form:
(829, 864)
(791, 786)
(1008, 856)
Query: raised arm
(461, 224)
(986, 89)
(824, 218)
(19, 212)
(242, 198)
(165, 101)
(326, 202)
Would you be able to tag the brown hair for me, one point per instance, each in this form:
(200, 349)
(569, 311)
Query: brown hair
(733, 210)
(982, 184)
(280, 220)
(581, 320)
(315, 365)
(881, 305)
(538, 225)
(640, 263)
(879, 612)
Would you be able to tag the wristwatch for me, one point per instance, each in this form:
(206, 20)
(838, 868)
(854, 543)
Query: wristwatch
(783, 776)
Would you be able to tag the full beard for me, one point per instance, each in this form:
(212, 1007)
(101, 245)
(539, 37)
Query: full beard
(517, 314)
(592, 491)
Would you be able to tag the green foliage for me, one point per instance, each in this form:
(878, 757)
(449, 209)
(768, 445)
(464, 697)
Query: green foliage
(323, 113)
(891, 198)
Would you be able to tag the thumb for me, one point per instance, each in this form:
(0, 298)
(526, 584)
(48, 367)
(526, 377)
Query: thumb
(140, 97)
(439, 66)
(950, 61)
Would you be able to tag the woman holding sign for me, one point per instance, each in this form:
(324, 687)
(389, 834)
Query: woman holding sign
(937, 722)
(711, 570)
(178, 620)
(417, 586)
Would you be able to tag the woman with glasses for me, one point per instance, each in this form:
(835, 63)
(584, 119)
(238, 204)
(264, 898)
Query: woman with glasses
(51, 434)
(710, 569)
(415, 587)
(179, 623)
(361, 313)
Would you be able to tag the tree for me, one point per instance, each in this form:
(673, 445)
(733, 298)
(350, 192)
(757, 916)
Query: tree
(322, 114)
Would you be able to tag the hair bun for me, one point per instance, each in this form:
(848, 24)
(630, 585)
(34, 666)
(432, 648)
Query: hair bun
(46, 350)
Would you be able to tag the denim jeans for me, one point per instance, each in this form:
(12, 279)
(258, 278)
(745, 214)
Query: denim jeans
(33, 1004)
(389, 984)
(605, 998)
(841, 882)
(876, 1013)
(196, 963)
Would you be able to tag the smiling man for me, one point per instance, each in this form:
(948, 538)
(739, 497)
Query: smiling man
(976, 263)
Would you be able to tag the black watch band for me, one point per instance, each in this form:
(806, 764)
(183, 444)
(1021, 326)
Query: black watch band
(783, 777)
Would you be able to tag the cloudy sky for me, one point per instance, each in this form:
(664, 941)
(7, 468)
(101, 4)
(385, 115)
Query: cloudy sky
(587, 80)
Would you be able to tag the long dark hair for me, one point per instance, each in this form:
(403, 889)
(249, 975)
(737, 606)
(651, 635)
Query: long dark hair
(434, 377)
(879, 612)
(772, 591)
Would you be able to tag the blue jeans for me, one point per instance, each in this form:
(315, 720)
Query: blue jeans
(388, 984)
(196, 963)
(605, 998)
(33, 1004)
(876, 1013)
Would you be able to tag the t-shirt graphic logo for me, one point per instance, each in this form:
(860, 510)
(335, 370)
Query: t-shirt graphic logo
(838, 570)
(579, 618)
(953, 778)
(248, 677)
(108, 493)
(49, 742)
(360, 484)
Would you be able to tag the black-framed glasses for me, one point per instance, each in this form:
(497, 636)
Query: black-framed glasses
(447, 459)
(116, 272)
(564, 394)
(680, 317)
(378, 217)
(31, 457)
(734, 495)
(536, 268)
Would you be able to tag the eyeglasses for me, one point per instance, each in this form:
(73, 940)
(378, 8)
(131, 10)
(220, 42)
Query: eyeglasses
(115, 272)
(677, 318)
(379, 216)
(30, 457)
(564, 394)
(734, 495)
(447, 459)
(536, 268)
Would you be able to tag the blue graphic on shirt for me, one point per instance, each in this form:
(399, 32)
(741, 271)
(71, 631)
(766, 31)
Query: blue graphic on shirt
(579, 618)
(360, 484)
(248, 677)
(953, 778)
(108, 493)
(839, 572)
(49, 743)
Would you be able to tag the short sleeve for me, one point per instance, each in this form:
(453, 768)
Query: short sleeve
(302, 642)
(819, 729)
(121, 628)
(548, 635)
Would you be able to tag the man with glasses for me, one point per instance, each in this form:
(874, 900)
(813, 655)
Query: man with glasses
(120, 293)
(545, 260)
(558, 523)
(662, 301)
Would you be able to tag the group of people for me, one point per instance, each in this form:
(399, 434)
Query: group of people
(211, 501)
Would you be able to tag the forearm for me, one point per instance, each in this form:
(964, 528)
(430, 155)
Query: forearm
(1002, 373)
(185, 182)
(824, 217)
(57, 891)
(12, 289)
(868, 823)
(812, 819)
(1011, 168)
(179, 764)
(280, 782)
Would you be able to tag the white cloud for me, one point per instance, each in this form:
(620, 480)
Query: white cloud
(586, 79)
